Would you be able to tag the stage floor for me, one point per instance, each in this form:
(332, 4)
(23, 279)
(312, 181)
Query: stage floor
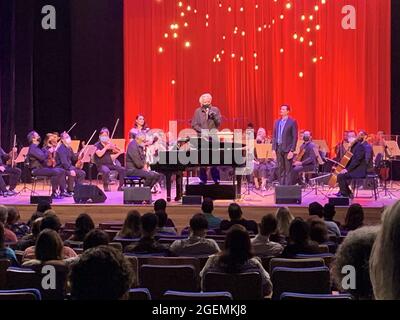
(254, 204)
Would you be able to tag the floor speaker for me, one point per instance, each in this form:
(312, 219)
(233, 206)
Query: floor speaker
(192, 200)
(89, 194)
(137, 195)
(339, 201)
(288, 195)
(40, 199)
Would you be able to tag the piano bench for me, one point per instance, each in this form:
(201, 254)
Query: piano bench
(133, 181)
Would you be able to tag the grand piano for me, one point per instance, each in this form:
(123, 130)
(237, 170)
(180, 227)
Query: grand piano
(195, 153)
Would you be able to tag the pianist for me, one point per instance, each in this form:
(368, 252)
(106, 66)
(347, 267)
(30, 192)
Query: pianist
(207, 117)
(136, 160)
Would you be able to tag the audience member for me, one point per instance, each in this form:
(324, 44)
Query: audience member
(131, 227)
(95, 238)
(30, 239)
(207, 207)
(13, 217)
(236, 217)
(101, 273)
(9, 236)
(354, 218)
(5, 252)
(333, 226)
(162, 224)
(316, 209)
(262, 246)
(83, 225)
(284, 219)
(196, 244)
(318, 230)
(355, 251)
(237, 257)
(161, 205)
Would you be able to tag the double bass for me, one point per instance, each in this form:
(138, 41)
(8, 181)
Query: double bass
(339, 168)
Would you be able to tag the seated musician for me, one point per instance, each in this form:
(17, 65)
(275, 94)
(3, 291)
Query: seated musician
(263, 168)
(136, 162)
(342, 147)
(13, 174)
(306, 159)
(64, 159)
(41, 165)
(103, 158)
(357, 167)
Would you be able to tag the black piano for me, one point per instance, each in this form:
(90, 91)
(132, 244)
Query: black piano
(176, 162)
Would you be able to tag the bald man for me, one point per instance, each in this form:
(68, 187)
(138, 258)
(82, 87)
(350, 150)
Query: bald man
(207, 117)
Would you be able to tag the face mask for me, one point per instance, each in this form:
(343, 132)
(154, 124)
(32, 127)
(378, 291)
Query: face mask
(206, 106)
(104, 139)
(306, 139)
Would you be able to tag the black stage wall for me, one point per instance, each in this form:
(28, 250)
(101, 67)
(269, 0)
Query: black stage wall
(51, 79)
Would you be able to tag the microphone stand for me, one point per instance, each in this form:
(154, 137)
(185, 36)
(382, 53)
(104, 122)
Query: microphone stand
(388, 193)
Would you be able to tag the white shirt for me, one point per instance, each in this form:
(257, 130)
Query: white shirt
(194, 246)
(263, 247)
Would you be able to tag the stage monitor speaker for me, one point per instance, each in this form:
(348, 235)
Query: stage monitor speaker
(89, 194)
(40, 199)
(137, 195)
(340, 202)
(192, 200)
(288, 195)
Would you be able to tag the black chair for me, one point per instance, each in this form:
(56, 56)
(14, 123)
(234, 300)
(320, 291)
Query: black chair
(197, 296)
(133, 181)
(370, 181)
(289, 296)
(139, 294)
(19, 295)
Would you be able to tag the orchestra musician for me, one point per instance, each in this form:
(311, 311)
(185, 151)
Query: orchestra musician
(357, 167)
(306, 160)
(64, 160)
(139, 126)
(342, 147)
(207, 117)
(136, 161)
(284, 143)
(13, 173)
(263, 168)
(103, 158)
(41, 166)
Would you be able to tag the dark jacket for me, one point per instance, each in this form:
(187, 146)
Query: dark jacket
(293, 249)
(37, 157)
(147, 246)
(357, 166)
(4, 157)
(289, 135)
(200, 120)
(309, 158)
(64, 157)
(250, 225)
(135, 157)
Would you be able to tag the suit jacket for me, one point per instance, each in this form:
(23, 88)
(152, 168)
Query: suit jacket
(200, 120)
(64, 157)
(37, 157)
(309, 158)
(357, 167)
(4, 157)
(135, 157)
(289, 135)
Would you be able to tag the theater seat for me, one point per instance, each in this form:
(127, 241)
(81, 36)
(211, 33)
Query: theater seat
(21, 294)
(4, 264)
(197, 296)
(295, 263)
(300, 280)
(302, 296)
(139, 294)
(242, 286)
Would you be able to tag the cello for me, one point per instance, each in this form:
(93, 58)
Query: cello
(339, 168)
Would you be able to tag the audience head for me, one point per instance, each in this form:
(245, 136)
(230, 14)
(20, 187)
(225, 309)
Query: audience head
(299, 231)
(268, 225)
(101, 273)
(316, 209)
(50, 221)
(235, 212)
(207, 206)
(95, 238)
(36, 227)
(237, 249)
(3, 214)
(284, 218)
(49, 246)
(318, 230)
(385, 257)
(12, 216)
(162, 218)
(354, 217)
(329, 212)
(355, 251)
(43, 206)
(132, 224)
(199, 225)
(83, 224)
(160, 205)
(149, 224)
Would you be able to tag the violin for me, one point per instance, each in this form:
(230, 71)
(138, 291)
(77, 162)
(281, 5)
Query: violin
(79, 164)
(51, 157)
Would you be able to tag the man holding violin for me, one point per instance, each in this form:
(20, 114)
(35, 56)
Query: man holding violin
(8, 169)
(64, 160)
(41, 163)
(104, 161)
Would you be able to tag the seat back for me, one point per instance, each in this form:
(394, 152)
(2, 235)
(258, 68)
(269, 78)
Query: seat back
(175, 261)
(323, 248)
(159, 279)
(197, 296)
(295, 263)
(23, 294)
(307, 297)
(139, 294)
(328, 257)
(300, 280)
(4, 265)
(242, 286)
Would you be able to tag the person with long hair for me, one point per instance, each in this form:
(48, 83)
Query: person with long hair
(5, 252)
(237, 257)
(131, 227)
(354, 218)
(385, 257)
(284, 218)
(83, 225)
(140, 126)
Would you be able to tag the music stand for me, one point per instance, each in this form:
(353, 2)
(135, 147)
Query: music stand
(21, 158)
(75, 145)
(390, 150)
(88, 157)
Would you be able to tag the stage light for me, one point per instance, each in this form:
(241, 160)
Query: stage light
(295, 36)
(288, 5)
(310, 43)
(243, 33)
(316, 8)
(175, 35)
(303, 17)
(241, 59)
(315, 60)
(233, 55)
(301, 39)
(256, 67)
(282, 17)
(187, 44)
(173, 82)
(160, 49)
(282, 50)
(166, 35)
(317, 27)
(311, 17)
(301, 74)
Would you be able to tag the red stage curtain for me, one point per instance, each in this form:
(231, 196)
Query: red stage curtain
(347, 88)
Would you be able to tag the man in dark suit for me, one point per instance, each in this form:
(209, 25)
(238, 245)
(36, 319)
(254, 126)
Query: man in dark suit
(357, 167)
(136, 162)
(307, 158)
(284, 142)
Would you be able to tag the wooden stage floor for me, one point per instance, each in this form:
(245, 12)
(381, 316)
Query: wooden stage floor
(254, 206)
